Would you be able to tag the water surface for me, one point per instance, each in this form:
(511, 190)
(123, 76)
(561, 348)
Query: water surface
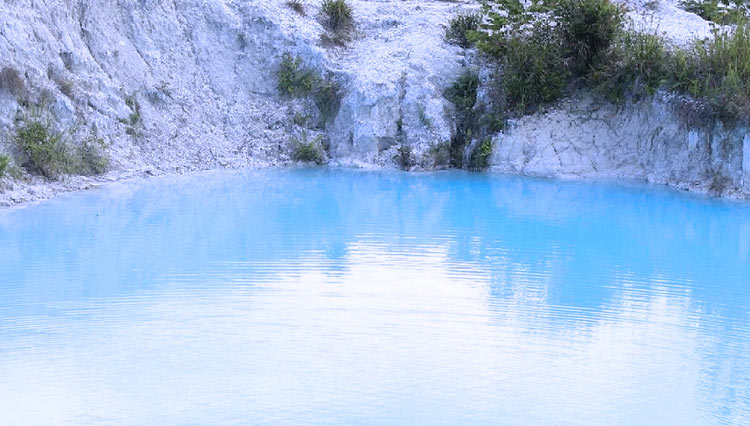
(341, 297)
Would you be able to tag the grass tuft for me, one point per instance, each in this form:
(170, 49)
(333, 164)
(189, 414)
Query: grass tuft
(4, 164)
(308, 152)
(337, 14)
(461, 28)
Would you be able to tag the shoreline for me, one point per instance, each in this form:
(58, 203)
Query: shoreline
(35, 193)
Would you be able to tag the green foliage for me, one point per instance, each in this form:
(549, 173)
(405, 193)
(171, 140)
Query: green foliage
(724, 12)
(134, 120)
(548, 47)
(4, 164)
(300, 119)
(45, 149)
(338, 14)
(91, 155)
(308, 152)
(423, 118)
(534, 68)
(299, 81)
(461, 28)
(463, 94)
(588, 28)
(480, 156)
(715, 71)
(639, 64)
(294, 79)
(49, 154)
(719, 71)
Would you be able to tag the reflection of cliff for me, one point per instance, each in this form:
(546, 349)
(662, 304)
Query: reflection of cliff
(572, 236)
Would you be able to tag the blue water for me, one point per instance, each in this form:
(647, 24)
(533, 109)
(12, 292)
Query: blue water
(316, 296)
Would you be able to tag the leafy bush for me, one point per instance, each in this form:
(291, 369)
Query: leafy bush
(49, 154)
(480, 156)
(720, 72)
(45, 149)
(327, 96)
(461, 28)
(91, 155)
(299, 81)
(308, 152)
(463, 94)
(534, 68)
(337, 14)
(547, 47)
(134, 120)
(639, 64)
(723, 12)
(293, 78)
(4, 163)
(588, 28)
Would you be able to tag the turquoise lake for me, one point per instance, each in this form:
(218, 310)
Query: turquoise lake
(337, 297)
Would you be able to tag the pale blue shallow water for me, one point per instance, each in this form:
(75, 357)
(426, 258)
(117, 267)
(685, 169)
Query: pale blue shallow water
(341, 297)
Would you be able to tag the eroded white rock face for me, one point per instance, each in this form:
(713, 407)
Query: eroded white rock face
(203, 74)
(397, 77)
(646, 141)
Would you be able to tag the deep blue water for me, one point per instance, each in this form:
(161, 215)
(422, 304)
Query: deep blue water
(316, 296)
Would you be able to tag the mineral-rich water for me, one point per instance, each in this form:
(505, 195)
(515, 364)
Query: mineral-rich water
(316, 296)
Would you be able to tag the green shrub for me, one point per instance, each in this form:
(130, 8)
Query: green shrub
(723, 12)
(721, 72)
(296, 80)
(4, 163)
(480, 155)
(639, 64)
(308, 152)
(91, 155)
(423, 118)
(49, 154)
(461, 28)
(337, 14)
(46, 151)
(533, 69)
(588, 28)
(463, 94)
